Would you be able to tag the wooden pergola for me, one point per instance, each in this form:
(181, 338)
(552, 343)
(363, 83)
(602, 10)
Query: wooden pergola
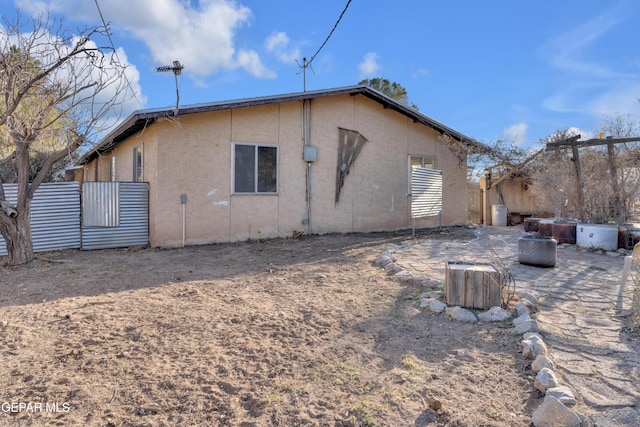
(574, 143)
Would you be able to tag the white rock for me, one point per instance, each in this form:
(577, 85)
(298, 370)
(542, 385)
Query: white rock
(494, 314)
(563, 394)
(528, 335)
(520, 319)
(553, 413)
(541, 361)
(383, 260)
(404, 275)
(392, 266)
(531, 295)
(461, 314)
(424, 302)
(527, 326)
(437, 306)
(545, 379)
(533, 347)
(523, 307)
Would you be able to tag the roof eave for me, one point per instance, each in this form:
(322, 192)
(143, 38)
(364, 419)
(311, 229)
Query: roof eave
(140, 119)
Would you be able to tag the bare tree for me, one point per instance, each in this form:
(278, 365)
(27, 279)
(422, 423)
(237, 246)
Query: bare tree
(555, 174)
(627, 159)
(58, 91)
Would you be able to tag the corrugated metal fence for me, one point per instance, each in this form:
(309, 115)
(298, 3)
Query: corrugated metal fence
(121, 210)
(55, 216)
(105, 215)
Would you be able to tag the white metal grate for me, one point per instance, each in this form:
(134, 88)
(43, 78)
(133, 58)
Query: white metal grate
(426, 192)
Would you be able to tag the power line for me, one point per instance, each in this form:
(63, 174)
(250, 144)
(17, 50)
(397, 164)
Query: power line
(306, 64)
(330, 34)
(115, 53)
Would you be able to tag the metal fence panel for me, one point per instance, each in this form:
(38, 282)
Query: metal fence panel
(55, 216)
(133, 226)
(426, 192)
(100, 204)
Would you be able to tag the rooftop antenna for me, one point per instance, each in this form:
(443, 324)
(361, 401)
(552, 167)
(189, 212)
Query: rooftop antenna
(303, 70)
(177, 69)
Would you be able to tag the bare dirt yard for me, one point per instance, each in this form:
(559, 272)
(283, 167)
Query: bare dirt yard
(286, 332)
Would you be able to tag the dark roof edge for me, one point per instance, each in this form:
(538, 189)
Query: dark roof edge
(138, 120)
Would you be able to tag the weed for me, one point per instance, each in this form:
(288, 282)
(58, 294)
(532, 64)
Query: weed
(297, 390)
(361, 414)
(271, 399)
(410, 363)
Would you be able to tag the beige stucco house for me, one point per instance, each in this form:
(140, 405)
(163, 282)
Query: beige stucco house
(335, 160)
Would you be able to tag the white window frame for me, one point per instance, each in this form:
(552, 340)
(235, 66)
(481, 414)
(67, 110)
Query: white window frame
(112, 169)
(138, 151)
(255, 184)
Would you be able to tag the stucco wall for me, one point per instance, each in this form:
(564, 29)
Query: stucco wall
(193, 156)
(375, 193)
(124, 166)
(518, 199)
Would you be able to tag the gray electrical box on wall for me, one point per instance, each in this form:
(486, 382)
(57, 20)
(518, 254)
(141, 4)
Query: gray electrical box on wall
(183, 198)
(310, 153)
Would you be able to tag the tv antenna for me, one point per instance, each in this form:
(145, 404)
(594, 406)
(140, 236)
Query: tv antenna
(177, 70)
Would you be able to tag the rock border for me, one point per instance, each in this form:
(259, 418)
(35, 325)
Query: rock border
(555, 408)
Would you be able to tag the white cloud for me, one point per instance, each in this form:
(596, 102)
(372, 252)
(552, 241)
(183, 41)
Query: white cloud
(516, 134)
(201, 35)
(590, 85)
(584, 134)
(369, 66)
(278, 44)
(566, 51)
(90, 88)
(249, 60)
(420, 72)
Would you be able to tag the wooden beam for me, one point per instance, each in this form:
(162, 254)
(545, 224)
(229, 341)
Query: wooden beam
(590, 142)
(576, 159)
(614, 183)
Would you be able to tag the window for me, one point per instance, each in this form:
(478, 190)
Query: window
(420, 161)
(255, 168)
(137, 163)
(112, 169)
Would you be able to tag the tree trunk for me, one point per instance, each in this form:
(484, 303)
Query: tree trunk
(18, 238)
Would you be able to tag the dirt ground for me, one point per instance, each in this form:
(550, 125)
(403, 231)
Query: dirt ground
(285, 332)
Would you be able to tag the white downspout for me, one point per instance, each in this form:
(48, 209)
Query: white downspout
(305, 143)
(183, 201)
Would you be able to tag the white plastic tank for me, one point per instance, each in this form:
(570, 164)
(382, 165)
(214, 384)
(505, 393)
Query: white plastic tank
(499, 215)
(597, 236)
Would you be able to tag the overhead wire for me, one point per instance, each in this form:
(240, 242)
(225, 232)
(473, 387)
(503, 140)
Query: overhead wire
(307, 64)
(115, 53)
(330, 34)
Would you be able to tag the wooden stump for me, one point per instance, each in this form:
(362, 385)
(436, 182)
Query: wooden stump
(472, 285)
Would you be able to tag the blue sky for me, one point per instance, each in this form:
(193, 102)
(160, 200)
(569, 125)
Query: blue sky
(511, 70)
